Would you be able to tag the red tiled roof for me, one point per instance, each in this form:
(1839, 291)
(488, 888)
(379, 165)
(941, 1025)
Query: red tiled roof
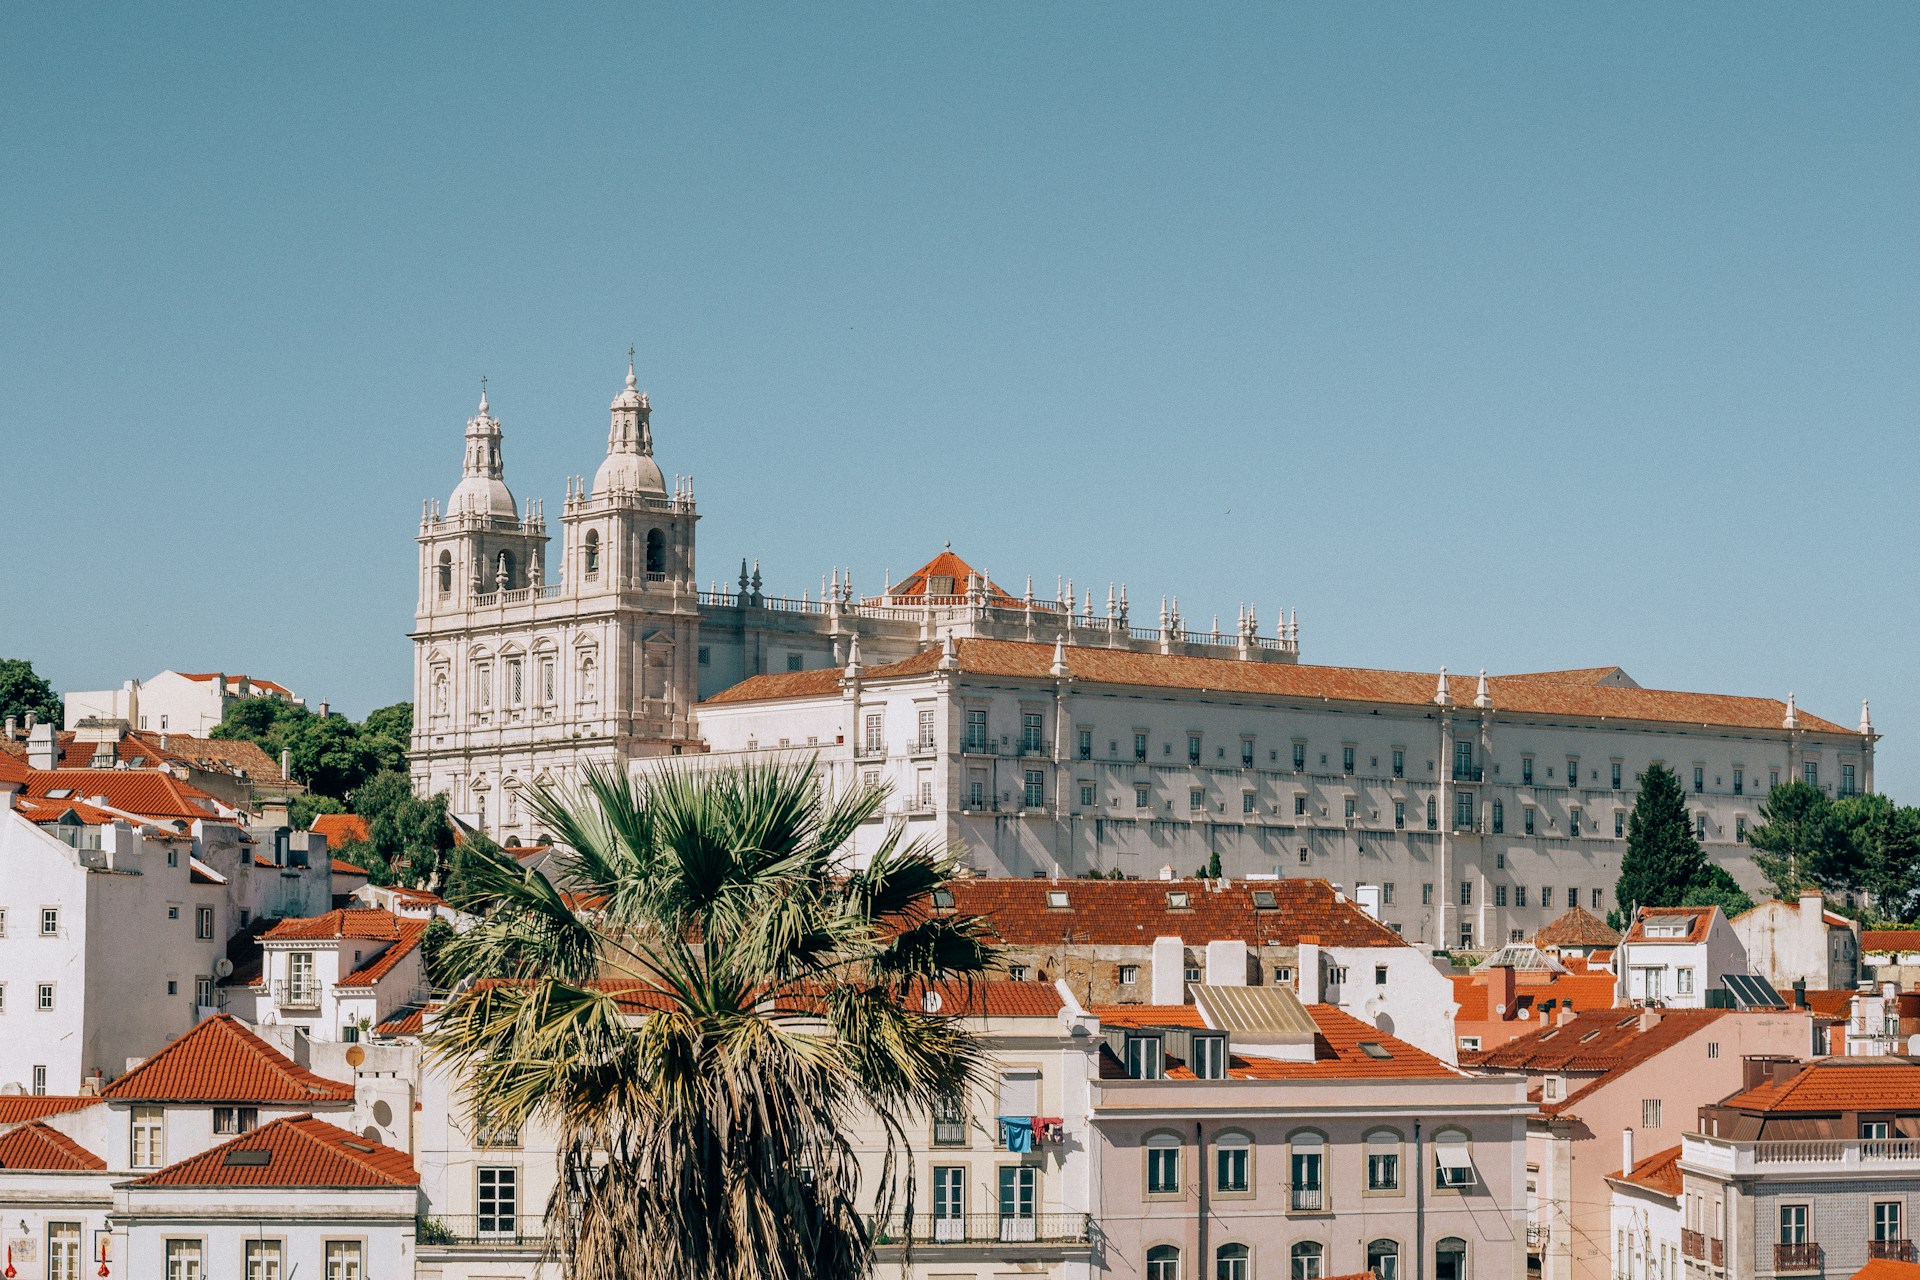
(1837, 1084)
(996, 998)
(341, 868)
(1658, 1172)
(1573, 675)
(409, 1021)
(370, 973)
(341, 922)
(150, 793)
(1888, 1269)
(1579, 990)
(1135, 912)
(1337, 1054)
(301, 1152)
(21, 1108)
(1598, 1042)
(1015, 659)
(341, 828)
(1890, 940)
(142, 749)
(948, 565)
(46, 811)
(1697, 920)
(40, 1146)
(221, 1061)
(1577, 928)
(1827, 1003)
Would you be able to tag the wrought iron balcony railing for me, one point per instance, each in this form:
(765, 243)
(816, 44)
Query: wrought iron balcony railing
(986, 1228)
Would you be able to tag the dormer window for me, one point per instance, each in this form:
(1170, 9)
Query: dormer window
(1209, 1060)
(1145, 1058)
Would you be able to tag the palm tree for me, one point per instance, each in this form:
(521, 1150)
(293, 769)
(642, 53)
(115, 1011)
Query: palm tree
(701, 1003)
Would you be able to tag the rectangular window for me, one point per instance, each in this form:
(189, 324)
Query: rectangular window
(498, 1200)
(1739, 782)
(1383, 1163)
(874, 734)
(203, 991)
(1573, 771)
(1033, 735)
(233, 1121)
(1526, 770)
(1793, 1224)
(1875, 1130)
(149, 1142)
(43, 998)
(1574, 893)
(1740, 828)
(1193, 748)
(1163, 1165)
(1305, 1167)
(1886, 1220)
(1499, 895)
(1129, 975)
(1433, 820)
(1139, 746)
(1616, 775)
(1811, 772)
(1036, 788)
(1209, 1057)
(1348, 808)
(1196, 799)
(1426, 895)
(346, 1260)
(516, 683)
(1466, 893)
(1231, 1159)
(796, 662)
(1142, 795)
(3, 922)
(1573, 821)
(1519, 895)
(63, 1251)
(1699, 779)
(1684, 981)
(1084, 741)
(977, 790)
(1399, 815)
(1650, 1113)
(1526, 820)
(483, 685)
(49, 922)
(1246, 802)
(546, 681)
(1086, 794)
(976, 729)
(203, 923)
(1299, 756)
(1246, 753)
(1346, 759)
(1846, 780)
(924, 724)
(1299, 806)
(1386, 894)
(1699, 826)
(1619, 824)
(39, 1080)
(1399, 762)
(1144, 1058)
(1462, 810)
(1499, 817)
(183, 1260)
(263, 1260)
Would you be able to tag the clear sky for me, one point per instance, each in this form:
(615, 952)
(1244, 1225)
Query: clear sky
(1509, 336)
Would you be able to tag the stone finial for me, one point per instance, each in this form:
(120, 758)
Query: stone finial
(1866, 718)
(1442, 696)
(1481, 698)
(1059, 667)
(1792, 719)
(949, 654)
(854, 668)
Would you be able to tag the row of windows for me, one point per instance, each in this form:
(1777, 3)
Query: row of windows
(261, 1260)
(49, 922)
(1306, 1187)
(43, 993)
(1307, 1260)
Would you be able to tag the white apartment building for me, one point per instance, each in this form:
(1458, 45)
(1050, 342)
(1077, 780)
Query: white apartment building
(191, 702)
(338, 975)
(1674, 956)
(1645, 1200)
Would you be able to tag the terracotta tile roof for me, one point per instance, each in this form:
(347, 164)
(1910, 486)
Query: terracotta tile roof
(239, 684)
(45, 811)
(408, 1021)
(221, 1061)
(1337, 1054)
(1135, 912)
(341, 868)
(149, 793)
(1697, 920)
(1658, 1172)
(342, 922)
(42, 1147)
(1837, 1084)
(822, 682)
(1888, 1269)
(1014, 659)
(370, 973)
(997, 998)
(1574, 675)
(1599, 1042)
(1890, 940)
(950, 566)
(1579, 990)
(12, 767)
(1830, 1004)
(341, 828)
(142, 749)
(1577, 928)
(300, 1152)
(21, 1108)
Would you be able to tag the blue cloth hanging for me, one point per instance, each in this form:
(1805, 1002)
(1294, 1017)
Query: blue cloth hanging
(1016, 1132)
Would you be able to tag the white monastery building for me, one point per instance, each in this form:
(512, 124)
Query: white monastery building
(1054, 735)
(191, 702)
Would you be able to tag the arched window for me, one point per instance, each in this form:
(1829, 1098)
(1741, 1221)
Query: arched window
(445, 573)
(1306, 1168)
(1163, 1263)
(1306, 1260)
(656, 552)
(1383, 1259)
(1232, 1163)
(593, 552)
(1230, 1262)
(1163, 1164)
(1450, 1259)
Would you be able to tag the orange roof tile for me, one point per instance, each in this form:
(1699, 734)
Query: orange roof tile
(21, 1108)
(342, 922)
(40, 1146)
(409, 1021)
(46, 811)
(300, 1152)
(1599, 1042)
(1577, 928)
(1697, 919)
(1658, 1172)
(1573, 675)
(370, 973)
(221, 1061)
(1888, 1269)
(915, 586)
(1837, 1084)
(1337, 1054)
(342, 868)
(1890, 940)
(1574, 990)
(1014, 659)
(1134, 912)
(341, 828)
(150, 793)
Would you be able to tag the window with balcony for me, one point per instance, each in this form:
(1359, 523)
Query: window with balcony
(1740, 828)
(1346, 759)
(1083, 744)
(1433, 813)
(923, 729)
(1306, 1160)
(1739, 781)
(875, 734)
(1246, 753)
(1193, 748)
(1526, 770)
(1573, 821)
(1299, 756)
(497, 1197)
(1619, 823)
(1462, 810)
(1232, 1163)
(1399, 762)
(1399, 815)
(1463, 770)
(950, 1123)
(1847, 786)
(1033, 733)
(976, 729)
(1163, 1164)
(301, 991)
(949, 1203)
(1699, 826)
(1139, 746)
(1383, 1160)
(1573, 771)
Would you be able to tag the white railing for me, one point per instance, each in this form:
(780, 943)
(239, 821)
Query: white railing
(1805, 1155)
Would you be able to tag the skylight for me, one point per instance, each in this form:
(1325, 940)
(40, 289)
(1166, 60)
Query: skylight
(1263, 900)
(1177, 900)
(943, 897)
(256, 1156)
(1374, 1049)
(1056, 897)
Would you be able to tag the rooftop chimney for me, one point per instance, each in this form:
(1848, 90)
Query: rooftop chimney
(1169, 971)
(1626, 1151)
(41, 752)
(1307, 965)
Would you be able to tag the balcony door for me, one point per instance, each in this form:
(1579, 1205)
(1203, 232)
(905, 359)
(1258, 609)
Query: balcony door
(949, 1203)
(1017, 1203)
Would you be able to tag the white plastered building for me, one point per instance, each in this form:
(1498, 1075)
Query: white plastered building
(191, 702)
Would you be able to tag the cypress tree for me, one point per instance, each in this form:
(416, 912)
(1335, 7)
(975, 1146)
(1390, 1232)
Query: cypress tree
(1663, 859)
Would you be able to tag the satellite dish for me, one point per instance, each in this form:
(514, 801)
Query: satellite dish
(356, 1055)
(223, 968)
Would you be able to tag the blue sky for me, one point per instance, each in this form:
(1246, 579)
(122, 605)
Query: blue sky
(1509, 336)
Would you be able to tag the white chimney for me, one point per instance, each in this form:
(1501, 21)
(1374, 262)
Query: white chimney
(41, 751)
(1227, 963)
(1169, 971)
(1368, 898)
(1308, 965)
(1626, 1151)
(1166, 871)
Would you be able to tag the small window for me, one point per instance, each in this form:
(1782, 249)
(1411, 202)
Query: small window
(1650, 1113)
(1129, 975)
(943, 897)
(1299, 806)
(40, 1080)
(1019, 972)
(706, 656)
(1466, 893)
(1379, 975)
(203, 923)
(1233, 1163)
(1399, 762)
(44, 997)
(1177, 900)
(1142, 795)
(49, 921)
(233, 1121)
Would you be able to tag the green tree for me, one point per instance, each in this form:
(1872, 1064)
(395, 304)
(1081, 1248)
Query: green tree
(388, 731)
(704, 1037)
(22, 691)
(1663, 859)
(329, 755)
(1874, 849)
(411, 836)
(1716, 888)
(433, 944)
(267, 721)
(303, 809)
(1794, 840)
(1213, 865)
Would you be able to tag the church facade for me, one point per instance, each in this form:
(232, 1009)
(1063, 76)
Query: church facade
(1052, 736)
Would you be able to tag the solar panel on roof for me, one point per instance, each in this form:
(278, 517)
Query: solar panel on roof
(1751, 991)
